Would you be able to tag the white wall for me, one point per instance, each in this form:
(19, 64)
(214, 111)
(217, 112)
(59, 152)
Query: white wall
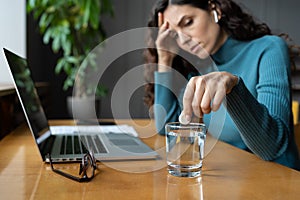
(12, 32)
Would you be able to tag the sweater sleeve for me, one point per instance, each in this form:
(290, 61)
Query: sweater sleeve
(264, 122)
(166, 105)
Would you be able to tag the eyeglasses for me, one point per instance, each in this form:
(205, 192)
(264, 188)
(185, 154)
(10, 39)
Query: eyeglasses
(86, 170)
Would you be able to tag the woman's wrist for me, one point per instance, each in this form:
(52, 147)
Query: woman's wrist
(234, 81)
(163, 68)
(165, 64)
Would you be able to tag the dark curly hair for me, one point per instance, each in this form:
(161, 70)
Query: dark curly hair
(234, 21)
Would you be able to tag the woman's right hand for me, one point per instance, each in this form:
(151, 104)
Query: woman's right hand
(166, 45)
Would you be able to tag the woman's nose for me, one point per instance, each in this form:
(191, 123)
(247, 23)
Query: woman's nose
(182, 38)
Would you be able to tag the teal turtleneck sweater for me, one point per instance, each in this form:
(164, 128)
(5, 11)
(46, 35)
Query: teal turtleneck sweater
(258, 109)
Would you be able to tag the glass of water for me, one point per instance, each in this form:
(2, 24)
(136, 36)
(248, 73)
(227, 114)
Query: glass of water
(185, 148)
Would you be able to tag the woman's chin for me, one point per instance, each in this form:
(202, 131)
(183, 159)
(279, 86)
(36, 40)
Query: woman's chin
(202, 54)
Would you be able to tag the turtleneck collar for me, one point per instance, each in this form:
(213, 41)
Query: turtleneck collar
(227, 51)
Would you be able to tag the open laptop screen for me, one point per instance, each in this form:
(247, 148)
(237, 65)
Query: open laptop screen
(28, 96)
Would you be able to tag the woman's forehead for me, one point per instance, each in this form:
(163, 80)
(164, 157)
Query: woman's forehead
(174, 14)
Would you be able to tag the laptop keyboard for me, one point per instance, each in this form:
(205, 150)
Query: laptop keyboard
(78, 144)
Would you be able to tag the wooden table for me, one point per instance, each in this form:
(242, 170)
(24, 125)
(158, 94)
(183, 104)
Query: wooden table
(228, 173)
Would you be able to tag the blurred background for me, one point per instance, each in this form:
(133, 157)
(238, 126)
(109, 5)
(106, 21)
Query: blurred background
(20, 33)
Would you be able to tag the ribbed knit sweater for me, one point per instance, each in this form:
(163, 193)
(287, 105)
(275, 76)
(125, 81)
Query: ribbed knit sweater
(258, 109)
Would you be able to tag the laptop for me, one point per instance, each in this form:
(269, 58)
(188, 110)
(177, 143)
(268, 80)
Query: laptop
(70, 143)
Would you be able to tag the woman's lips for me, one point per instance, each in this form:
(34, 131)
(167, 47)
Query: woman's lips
(195, 48)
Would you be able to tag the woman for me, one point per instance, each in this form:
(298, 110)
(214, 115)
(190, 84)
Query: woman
(253, 74)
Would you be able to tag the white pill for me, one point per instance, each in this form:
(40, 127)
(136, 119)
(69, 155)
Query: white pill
(182, 119)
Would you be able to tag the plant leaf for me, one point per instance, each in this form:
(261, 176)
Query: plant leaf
(60, 64)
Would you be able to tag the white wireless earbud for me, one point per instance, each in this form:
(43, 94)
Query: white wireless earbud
(215, 16)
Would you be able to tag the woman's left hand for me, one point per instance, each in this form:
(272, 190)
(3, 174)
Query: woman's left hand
(205, 93)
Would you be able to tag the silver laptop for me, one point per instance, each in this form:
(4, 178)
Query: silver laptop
(69, 145)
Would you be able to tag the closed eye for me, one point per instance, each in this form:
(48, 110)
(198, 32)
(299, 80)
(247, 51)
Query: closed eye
(185, 21)
(188, 22)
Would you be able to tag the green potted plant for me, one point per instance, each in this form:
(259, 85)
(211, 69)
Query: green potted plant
(73, 28)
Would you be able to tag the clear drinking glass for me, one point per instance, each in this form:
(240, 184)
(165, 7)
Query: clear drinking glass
(185, 148)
